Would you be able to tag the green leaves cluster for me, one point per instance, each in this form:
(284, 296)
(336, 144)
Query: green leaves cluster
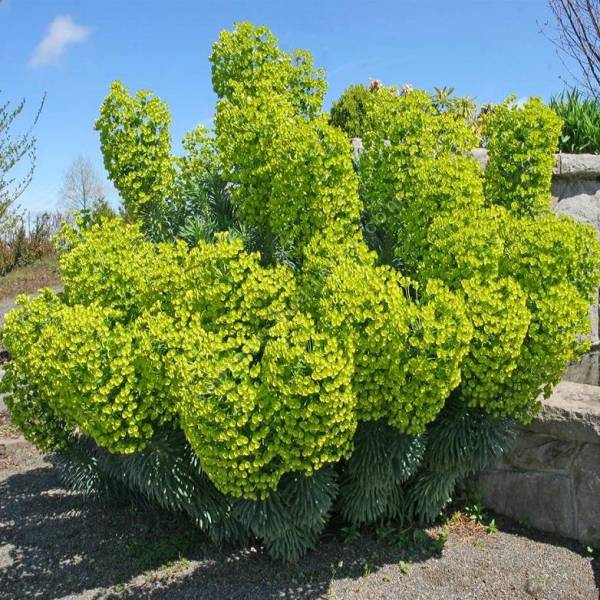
(325, 338)
(144, 178)
(349, 110)
(524, 275)
(581, 121)
(521, 143)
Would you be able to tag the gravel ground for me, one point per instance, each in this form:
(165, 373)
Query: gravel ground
(53, 544)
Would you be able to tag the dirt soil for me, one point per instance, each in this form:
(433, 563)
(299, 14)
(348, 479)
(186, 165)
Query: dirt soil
(56, 544)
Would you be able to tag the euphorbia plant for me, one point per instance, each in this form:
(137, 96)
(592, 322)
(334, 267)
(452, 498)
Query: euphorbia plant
(324, 339)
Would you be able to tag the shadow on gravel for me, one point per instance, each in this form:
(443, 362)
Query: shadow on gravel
(508, 525)
(53, 544)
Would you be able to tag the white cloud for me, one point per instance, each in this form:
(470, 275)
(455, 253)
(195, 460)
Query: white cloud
(62, 32)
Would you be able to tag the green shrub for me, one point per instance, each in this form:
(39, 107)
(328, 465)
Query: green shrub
(349, 110)
(521, 143)
(581, 122)
(326, 340)
(144, 178)
(417, 165)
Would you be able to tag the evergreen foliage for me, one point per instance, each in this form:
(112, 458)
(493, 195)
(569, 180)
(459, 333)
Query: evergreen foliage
(349, 110)
(318, 340)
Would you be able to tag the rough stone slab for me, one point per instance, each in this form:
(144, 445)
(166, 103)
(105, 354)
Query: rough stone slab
(481, 156)
(587, 370)
(539, 452)
(540, 500)
(579, 165)
(586, 482)
(595, 325)
(578, 198)
(571, 413)
(557, 167)
(567, 166)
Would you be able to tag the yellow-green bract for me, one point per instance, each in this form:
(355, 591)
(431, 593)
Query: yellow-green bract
(374, 293)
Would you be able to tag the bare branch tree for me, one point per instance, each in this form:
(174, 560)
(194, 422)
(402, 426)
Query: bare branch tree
(82, 187)
(14, 149)
(576, 33)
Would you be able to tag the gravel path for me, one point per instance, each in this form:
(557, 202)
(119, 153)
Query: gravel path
(54, 544)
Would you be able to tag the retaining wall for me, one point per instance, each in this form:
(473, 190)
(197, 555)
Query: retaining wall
(551, 478)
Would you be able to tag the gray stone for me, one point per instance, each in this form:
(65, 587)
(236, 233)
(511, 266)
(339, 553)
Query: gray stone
(539, 452)
(551, 477)
(578, 198)
(579, 165)
(541, 500)
(481, 156)
(571, 413)
(566, 166)
(556, 168)
(587, 370)
(586, 485)
(595, 325)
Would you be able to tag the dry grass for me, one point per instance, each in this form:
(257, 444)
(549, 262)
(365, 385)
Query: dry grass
(29, 279)
(461, 527)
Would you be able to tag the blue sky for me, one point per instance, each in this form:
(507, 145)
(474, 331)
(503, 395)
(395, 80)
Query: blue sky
(72, 50)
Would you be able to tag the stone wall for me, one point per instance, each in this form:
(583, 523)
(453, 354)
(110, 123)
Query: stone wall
(551, 478)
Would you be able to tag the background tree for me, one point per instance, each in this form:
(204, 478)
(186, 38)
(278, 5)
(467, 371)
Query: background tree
(576, 33)
(82, 187)
(15, 149)
(349, 110)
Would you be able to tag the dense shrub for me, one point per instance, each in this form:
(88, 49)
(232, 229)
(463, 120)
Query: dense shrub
(349, 110)
(519, 170)
(581, 122)
(326, 340)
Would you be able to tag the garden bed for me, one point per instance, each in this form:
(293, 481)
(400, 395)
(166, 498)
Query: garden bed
(55, 544)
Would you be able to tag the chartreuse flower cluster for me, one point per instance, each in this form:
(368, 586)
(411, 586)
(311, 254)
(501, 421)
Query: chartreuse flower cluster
(389, 317)
(525, 275)
(408, 349)
(291, 170)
